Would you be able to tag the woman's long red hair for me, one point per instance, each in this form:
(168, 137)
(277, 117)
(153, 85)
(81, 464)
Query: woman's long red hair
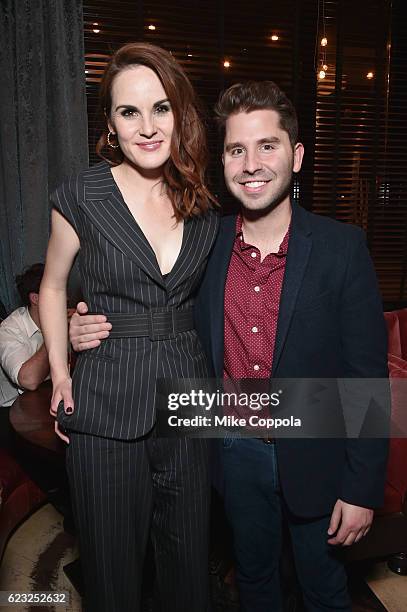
(185, 170)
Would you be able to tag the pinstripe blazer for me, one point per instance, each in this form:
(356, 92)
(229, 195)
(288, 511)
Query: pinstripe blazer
(114, 384)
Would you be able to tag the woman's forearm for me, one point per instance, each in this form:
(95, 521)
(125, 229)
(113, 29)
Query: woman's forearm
(62, 248)
(55, 330)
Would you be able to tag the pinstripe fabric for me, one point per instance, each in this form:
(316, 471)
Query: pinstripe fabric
(123, 479)
(118, 487)
(114, 384)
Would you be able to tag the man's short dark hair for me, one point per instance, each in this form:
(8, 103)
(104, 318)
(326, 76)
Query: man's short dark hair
(258, 95)
(29, 282)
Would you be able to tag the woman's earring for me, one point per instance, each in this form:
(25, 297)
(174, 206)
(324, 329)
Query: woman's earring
(113, 146)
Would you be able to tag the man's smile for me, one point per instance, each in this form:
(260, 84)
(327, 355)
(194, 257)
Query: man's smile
(254, 186)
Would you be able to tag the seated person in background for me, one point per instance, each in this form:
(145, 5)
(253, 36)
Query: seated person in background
(24, 366)
(23, 356)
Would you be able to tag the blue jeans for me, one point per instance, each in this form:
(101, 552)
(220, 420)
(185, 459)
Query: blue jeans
(254, 507)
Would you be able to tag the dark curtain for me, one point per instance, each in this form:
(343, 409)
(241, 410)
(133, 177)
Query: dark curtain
(43, 126)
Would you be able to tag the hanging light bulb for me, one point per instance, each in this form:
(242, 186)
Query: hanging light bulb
(322, 74)
(275, 37)
(151, 27)
(226, 64)
(370, 75)
(324, 41)
(97, 29)
(325, 67)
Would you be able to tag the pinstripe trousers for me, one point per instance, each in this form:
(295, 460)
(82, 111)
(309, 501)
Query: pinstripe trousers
(120, 490)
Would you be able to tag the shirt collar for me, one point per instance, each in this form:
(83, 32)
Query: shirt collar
(243, 245)
(30, 326)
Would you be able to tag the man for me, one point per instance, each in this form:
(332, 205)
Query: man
(286, 294)
(23, 356)
(24, 366)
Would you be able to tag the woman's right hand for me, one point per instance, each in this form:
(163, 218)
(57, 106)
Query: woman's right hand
(62, 392)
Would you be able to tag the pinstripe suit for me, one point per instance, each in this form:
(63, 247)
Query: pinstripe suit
(122, 477)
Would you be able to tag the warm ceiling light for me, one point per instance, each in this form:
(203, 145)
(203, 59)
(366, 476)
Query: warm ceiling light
(189, 54)
(322, 74)
(325, 67)
(324, 41)
(274, 37)
(96, 30)
(226, 64)
(151, 27)
(370, 75)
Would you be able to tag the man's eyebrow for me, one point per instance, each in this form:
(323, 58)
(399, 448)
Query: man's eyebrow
(269, 139)
(272, 139)
(134, 108)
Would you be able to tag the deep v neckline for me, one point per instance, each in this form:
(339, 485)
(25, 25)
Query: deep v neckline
(143, 235)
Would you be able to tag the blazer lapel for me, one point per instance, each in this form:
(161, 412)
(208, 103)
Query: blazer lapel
(197, 240)
(105, 208)
(215, 289)
(299, 249)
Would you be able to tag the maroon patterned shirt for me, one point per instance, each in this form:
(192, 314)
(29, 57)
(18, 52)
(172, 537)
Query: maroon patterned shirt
(252, 299)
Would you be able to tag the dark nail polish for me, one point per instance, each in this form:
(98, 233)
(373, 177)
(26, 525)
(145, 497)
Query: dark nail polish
(69, 410)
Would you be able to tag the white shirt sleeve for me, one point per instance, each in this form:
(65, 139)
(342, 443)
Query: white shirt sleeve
(15, 350)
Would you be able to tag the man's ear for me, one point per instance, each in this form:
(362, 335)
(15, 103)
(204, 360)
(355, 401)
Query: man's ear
(223, 159)
(33, 297)
(298, 155)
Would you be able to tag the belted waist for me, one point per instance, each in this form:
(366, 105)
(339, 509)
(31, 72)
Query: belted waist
(157, 324)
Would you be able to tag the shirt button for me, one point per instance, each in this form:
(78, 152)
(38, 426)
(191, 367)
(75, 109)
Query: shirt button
(254, 254)
(254, 330)
(256, 367)
(257, 289)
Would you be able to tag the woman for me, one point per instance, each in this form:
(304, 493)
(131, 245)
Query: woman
(143, 225)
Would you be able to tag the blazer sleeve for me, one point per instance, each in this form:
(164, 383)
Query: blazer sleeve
(364, 338)
(65, 200)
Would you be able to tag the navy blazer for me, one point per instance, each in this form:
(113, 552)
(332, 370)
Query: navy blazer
(114, 385)
(330, 325)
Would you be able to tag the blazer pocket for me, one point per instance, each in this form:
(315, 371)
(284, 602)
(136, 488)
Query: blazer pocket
(323, 300)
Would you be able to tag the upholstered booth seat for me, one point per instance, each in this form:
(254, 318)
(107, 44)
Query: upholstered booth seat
(19, 496)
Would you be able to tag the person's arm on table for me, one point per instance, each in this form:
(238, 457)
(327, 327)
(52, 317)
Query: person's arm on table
(35, 370)
(62, 248)
(25, 370)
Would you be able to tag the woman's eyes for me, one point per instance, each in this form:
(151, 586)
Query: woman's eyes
(128, 112)
(158, 110)
(162, 109)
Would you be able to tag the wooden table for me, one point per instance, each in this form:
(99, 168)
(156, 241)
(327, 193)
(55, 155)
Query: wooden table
(31, 420)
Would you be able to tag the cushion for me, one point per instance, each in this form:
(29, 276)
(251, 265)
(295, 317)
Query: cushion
(402, 314)
(393, 331)
(392, 501)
